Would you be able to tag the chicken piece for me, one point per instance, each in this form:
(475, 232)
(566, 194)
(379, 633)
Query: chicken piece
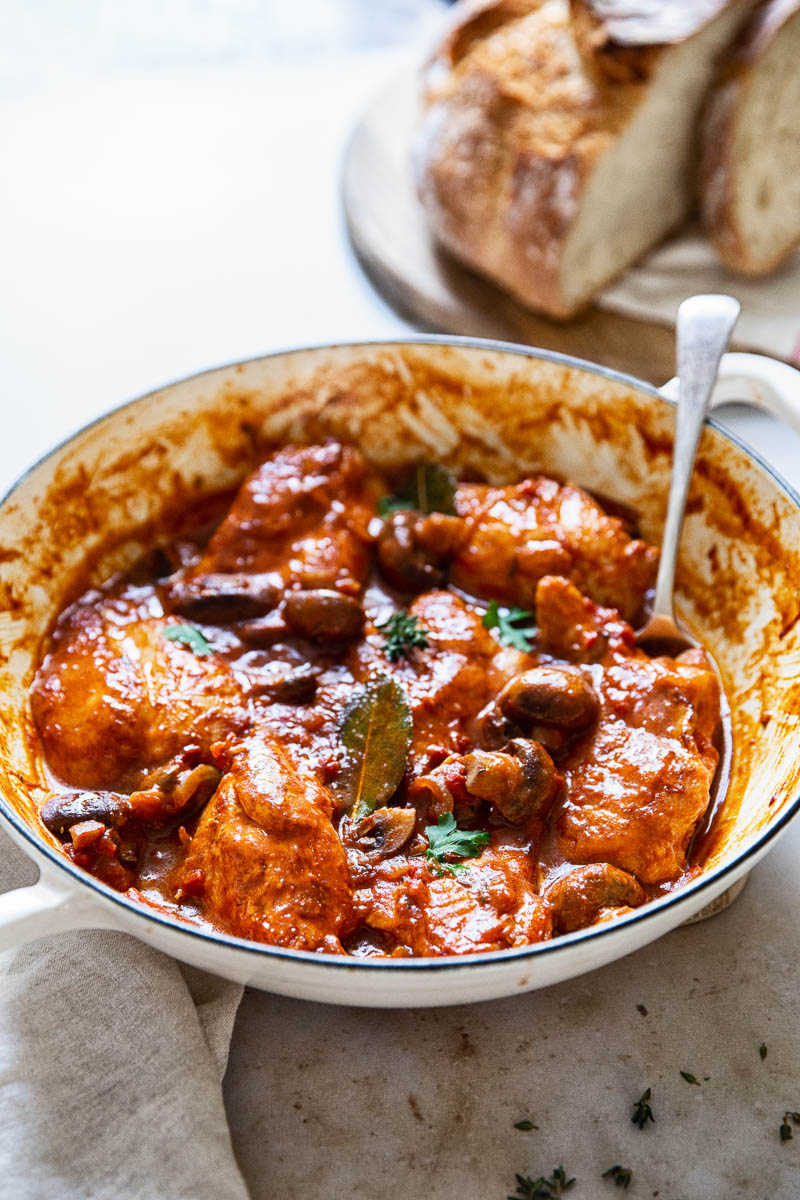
(636, 788)
(304, 516)
(491, 904)
(634, 797)
(115, 698)
(572, 627)
(265, 859)
(447, 683)
(518, 534)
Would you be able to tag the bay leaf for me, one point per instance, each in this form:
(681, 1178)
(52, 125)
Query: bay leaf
(375, 735)
(435, 490)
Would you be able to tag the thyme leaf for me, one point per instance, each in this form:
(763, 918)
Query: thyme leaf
(786, 1128)
(621, 1175)
(642, 1112)
(526, 1125)
(690, 1078)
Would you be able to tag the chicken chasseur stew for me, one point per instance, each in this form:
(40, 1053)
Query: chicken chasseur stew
(378, 724)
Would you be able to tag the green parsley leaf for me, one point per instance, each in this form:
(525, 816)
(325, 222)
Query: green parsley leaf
(403, 634)
(642, 1112)
(446, 838)
(690, 1078)
(189, 636)
(506, 626)
(621, 1175)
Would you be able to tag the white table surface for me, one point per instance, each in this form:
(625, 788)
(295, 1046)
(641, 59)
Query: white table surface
(158, 220)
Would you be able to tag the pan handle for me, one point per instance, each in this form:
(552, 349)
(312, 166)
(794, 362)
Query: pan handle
(754, 379)
(46, 907)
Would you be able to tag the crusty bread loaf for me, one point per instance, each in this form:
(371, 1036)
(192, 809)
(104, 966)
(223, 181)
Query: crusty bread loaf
(750, 174)
(558, 139)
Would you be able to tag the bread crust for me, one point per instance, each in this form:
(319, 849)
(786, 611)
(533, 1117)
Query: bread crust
(513, 127)
(718, 161)
(622, 39)
(521, 101)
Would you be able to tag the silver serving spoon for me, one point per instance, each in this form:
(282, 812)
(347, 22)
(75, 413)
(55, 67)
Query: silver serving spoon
(704, 327)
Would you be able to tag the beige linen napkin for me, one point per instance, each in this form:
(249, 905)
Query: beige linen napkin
(770, 319)
(111, 1064)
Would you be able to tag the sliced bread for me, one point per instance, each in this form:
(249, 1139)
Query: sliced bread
(750, 173)
(558, 139)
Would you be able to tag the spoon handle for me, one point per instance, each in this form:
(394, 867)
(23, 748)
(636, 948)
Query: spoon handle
(704, 327)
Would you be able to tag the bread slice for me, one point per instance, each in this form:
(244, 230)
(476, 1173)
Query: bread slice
(750, 173)
(558, 139)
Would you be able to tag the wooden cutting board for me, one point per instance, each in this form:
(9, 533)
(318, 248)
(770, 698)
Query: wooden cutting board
(387, 228)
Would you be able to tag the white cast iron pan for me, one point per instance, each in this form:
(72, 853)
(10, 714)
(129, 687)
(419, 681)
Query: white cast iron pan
(91, 507)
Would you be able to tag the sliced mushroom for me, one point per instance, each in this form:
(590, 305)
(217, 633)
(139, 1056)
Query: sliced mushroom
(492, 728)
(579, 895)
(159, 802)
(520, 780)
(263, 631)
(297, 686)
(556, 696)
(194, 788)
(181, 791)
(385, 831)
(65, 809)
(413, 549)
(323, 615)
(431, 794)
(221, 599)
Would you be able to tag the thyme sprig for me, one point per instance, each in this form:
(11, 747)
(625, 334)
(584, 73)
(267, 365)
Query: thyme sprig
(542, 1188)
(403, 634)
